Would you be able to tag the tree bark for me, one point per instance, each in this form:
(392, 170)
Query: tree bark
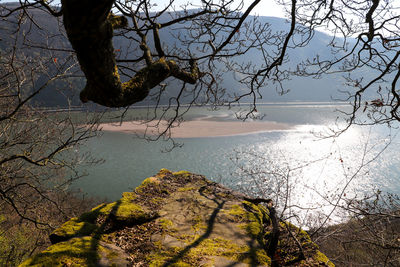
(89, 26)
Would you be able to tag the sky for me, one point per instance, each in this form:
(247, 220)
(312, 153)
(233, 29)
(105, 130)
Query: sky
(264, 8)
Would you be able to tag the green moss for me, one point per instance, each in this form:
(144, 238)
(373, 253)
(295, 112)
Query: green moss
(117, 21)
(163, 172)
(128, 196)
(130, 211)
(125, 211)
(75, 252)
(252, 217)
(122, 210)
(263, 210)
(182, 173)
(198, 224)
(150, 180)
(256, 210)
(116, 73)
(161, 257)
(262, 257)
(184, 189)
(112, 255)
(252, 228)
(238, 213)
(147, 182)
(258, 255)
(208, 248)
(211, 247)
(321, 258)
(73, 228)
(219, 247)
(157, 200)
(166, 224)
(301, 235)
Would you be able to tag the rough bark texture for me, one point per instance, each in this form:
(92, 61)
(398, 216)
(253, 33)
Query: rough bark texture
(89, 26)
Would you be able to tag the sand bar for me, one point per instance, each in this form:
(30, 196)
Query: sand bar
(198, 128)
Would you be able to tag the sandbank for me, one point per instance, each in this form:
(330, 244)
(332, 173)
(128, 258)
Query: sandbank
(197, 128)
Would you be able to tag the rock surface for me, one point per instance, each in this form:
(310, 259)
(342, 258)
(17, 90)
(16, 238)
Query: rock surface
(177, 219)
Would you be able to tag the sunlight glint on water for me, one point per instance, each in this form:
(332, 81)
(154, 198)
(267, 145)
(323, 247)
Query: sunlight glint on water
(328, 163)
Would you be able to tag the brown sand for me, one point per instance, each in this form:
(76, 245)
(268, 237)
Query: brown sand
(197, 128)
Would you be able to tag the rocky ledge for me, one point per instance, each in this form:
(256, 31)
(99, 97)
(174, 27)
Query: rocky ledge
(179, 219)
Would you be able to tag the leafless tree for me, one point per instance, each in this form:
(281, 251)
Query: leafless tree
(39, 150)
(370, 237)
(364, 37)
(354, 226)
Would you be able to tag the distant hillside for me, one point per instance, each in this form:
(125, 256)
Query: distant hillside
(52, 34)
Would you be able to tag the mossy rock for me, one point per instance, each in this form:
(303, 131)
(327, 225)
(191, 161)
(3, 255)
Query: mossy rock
(175, 219)
(121, 213)
(72, 228)
(320, 257)
(79, 251)
(124, 211)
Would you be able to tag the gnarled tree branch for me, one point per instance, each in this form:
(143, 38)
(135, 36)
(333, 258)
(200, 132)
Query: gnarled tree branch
(89, 27)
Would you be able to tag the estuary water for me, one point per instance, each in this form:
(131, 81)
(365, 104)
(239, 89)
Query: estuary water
(301, 158)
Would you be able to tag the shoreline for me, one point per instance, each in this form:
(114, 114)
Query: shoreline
(196, 128)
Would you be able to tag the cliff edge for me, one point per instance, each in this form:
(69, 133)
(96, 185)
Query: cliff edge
(178, 219)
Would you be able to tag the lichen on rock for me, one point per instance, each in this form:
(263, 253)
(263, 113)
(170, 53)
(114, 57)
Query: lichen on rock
(174, 219)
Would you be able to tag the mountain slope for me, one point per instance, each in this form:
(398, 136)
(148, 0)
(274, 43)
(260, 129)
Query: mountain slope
(51, 34)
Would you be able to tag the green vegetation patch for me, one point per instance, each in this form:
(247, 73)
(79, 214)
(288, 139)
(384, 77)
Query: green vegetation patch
(157, 200)
(220, 247)
(15, 244)
(166, 255)
(166, 224)
(184, 189)
(182, 173)
(251, 215)
(75, 252)
(208, 248)
(72, 228)
(321, 258)
(79, 251)
(128, 196)
(123, 211)
(147, 182)
(164, 172)
(252, 228)
(198, 224)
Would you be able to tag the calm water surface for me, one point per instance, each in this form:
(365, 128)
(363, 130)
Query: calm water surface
(317, 166)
